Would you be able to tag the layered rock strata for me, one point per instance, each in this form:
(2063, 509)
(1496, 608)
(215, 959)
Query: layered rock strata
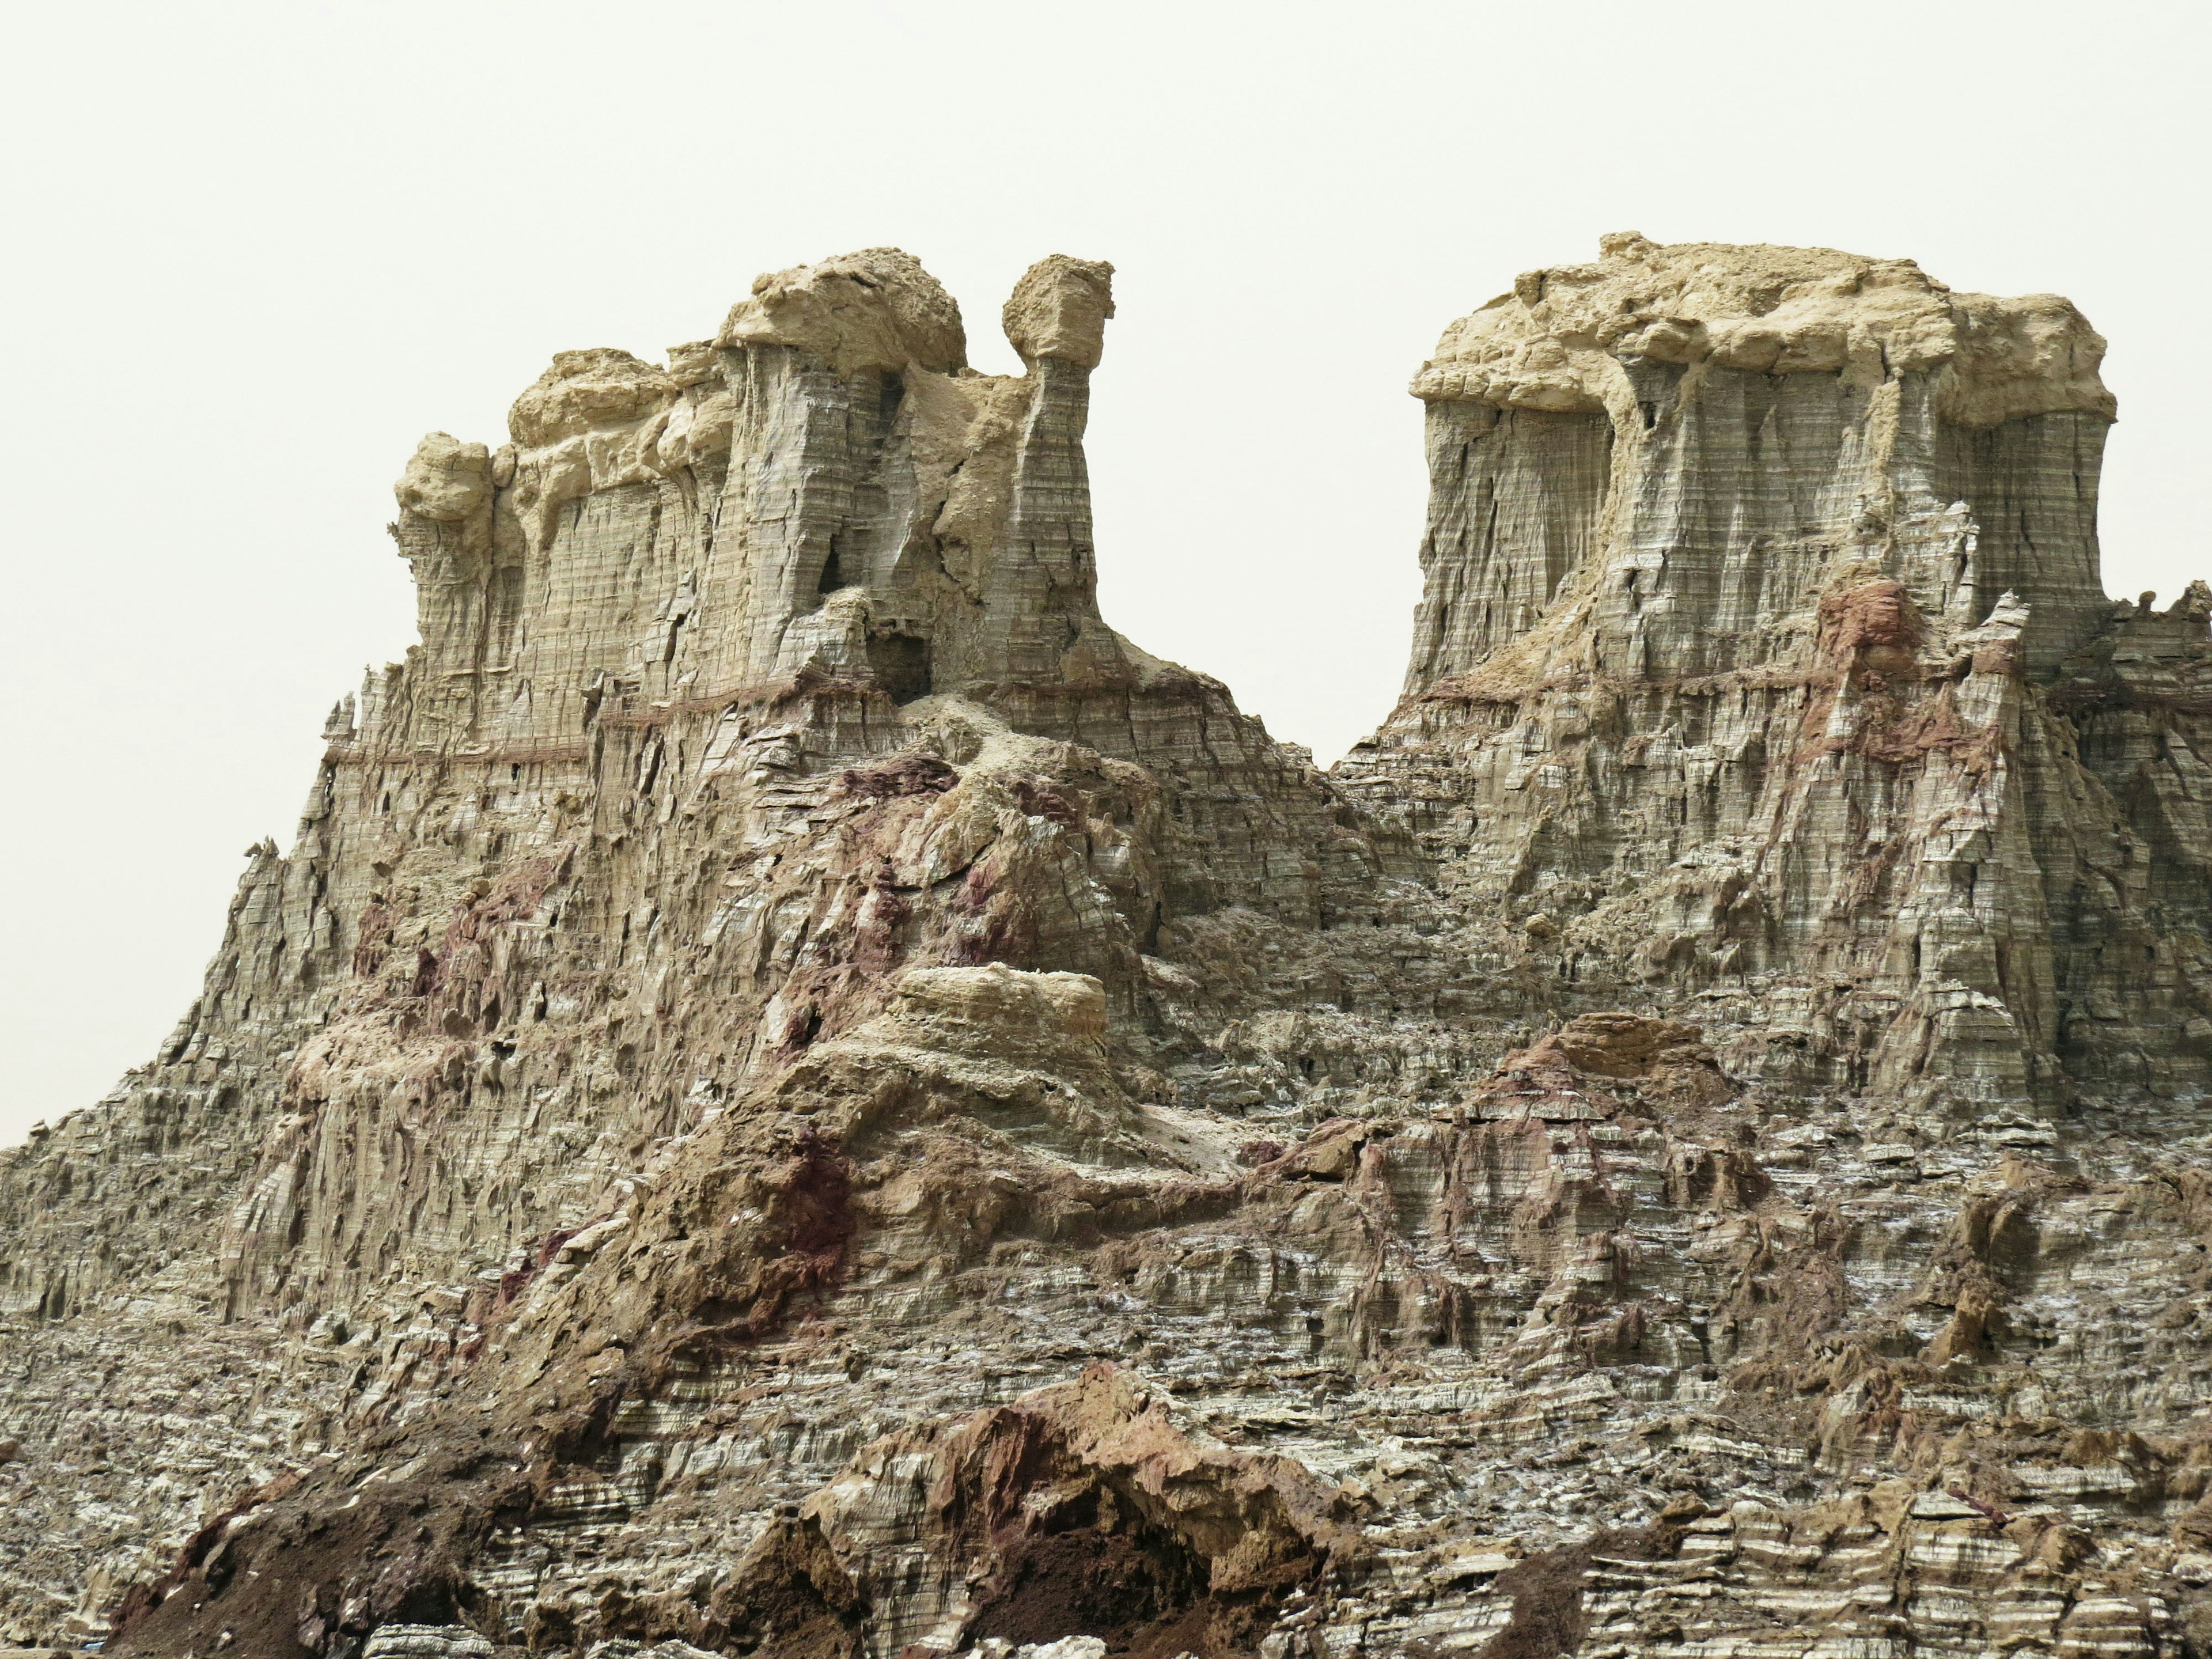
(797, 1095)
(1762, 660)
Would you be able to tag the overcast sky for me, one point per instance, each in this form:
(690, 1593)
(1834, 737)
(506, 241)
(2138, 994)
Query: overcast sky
(257, 250)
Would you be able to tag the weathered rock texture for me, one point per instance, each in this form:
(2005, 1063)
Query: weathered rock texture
(797, 1095)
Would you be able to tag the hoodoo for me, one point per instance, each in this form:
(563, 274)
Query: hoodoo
(797, 1095)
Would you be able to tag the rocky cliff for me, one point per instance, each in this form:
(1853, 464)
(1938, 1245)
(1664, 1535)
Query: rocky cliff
(797, 1095)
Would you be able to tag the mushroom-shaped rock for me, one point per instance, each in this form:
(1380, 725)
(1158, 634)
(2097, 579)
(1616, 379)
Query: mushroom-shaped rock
(446, 481)
(1059, 310)
(874, 309)
(585, 391)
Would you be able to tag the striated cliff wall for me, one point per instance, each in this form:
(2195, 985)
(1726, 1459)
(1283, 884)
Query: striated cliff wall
(1756, 580)
(797, 1095)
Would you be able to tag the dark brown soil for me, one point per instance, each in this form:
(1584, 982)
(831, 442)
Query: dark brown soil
(1548, 1617)
(317, 1577)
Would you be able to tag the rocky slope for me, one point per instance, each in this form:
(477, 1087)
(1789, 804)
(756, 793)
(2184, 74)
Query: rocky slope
(797, 1095)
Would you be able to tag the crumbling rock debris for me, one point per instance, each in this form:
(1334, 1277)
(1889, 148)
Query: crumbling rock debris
(796, 1095)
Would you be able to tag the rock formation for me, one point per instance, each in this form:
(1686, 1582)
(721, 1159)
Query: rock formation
(797, 1095)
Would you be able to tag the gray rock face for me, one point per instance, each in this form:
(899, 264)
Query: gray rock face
(1757, 681)
(426, 1642)
(796, 1094)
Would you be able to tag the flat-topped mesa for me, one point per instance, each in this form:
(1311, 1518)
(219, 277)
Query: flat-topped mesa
(1685, 446)
(1756, 580)
(825, 493)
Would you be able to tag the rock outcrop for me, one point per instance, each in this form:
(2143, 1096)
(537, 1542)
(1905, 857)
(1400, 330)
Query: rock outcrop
(797, 1095)
(1751, 666)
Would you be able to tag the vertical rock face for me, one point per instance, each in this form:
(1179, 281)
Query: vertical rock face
(797, 1095)
(1754, 583)
(746, 684)
(1736, 430)
(823, 494)
(660, 629)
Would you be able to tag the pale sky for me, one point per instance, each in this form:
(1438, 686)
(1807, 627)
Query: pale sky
(259, 249)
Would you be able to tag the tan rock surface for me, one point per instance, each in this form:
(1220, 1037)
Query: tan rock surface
(1561, 339)
(797, 1095)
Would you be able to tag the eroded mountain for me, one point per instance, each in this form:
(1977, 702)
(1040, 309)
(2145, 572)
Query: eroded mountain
(796, 1094)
